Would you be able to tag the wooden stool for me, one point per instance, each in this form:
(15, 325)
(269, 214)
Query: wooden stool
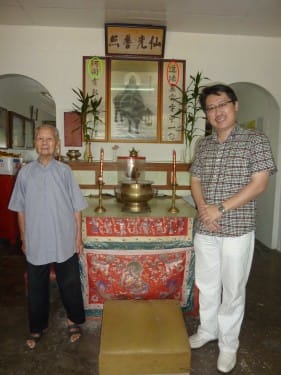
(143, 337)
(52, 276)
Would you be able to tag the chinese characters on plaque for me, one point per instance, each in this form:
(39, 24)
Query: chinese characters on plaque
(135, 40)
(94, 82)
(138, 95)
(173, 75)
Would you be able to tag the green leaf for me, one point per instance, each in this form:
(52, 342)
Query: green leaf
(87, 105)
(189, 107)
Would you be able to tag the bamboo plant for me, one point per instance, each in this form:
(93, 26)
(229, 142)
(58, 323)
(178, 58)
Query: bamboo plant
(87, 105)
(189, 108)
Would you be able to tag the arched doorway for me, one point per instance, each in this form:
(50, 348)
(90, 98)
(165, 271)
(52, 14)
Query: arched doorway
(257, 107)
(27, 97)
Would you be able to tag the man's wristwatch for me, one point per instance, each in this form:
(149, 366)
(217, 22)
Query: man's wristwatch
(221, 208)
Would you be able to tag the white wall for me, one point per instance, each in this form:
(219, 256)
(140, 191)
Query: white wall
(53, 56)
(257, 104)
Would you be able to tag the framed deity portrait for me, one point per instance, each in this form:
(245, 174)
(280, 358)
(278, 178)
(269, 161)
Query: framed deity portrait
(133, 100)
(137, 98)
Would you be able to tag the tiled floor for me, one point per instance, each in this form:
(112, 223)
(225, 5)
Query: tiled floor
(259, 354)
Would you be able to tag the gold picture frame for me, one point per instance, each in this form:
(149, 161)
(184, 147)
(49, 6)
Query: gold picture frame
(137, 103)
(134, 40)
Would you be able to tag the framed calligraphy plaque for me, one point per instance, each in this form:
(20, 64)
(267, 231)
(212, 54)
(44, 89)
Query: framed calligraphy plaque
(134, 40)
(94, 83)
(173, 75)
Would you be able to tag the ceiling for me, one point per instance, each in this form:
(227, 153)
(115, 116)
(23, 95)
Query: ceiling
(240, 17)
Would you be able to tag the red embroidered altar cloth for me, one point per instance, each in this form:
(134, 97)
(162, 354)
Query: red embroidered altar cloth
(137, 257)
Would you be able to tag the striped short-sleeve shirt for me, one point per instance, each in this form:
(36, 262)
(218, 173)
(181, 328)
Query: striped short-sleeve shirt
(225, 168)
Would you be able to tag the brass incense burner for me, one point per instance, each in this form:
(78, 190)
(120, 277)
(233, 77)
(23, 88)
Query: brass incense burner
(135, 195)
(133, 190)
(73, 154)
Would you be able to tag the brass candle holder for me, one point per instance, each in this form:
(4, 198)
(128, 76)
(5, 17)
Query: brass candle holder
(100, 208)
(173, 209)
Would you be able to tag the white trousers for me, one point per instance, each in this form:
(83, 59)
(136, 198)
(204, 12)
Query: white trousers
(222, 267)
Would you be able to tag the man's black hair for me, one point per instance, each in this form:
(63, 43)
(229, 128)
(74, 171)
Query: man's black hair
(216, 90)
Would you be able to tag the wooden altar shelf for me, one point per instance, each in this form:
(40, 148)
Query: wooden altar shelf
(151, 169)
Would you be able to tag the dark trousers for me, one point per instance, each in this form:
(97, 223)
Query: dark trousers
(68, 280)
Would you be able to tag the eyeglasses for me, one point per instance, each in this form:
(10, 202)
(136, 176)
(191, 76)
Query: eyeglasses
(222, 105)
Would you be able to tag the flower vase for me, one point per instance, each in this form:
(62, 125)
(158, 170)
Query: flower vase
(88, 156)
(114, 155)
(187, 153)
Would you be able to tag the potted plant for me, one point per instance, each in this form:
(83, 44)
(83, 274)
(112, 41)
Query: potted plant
(189, 109)
(88, 108)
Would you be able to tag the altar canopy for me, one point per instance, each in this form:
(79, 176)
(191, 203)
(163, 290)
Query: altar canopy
(137, 257)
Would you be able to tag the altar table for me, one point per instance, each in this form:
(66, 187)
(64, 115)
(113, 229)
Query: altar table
(138, 256)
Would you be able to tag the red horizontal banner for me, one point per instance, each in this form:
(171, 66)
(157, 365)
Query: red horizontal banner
(132, 227)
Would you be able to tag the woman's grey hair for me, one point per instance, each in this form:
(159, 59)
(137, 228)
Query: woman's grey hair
(48, 126)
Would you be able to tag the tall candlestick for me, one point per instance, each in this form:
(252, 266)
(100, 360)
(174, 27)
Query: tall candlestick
(101, 162)
(174, 167)
(100, 208)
